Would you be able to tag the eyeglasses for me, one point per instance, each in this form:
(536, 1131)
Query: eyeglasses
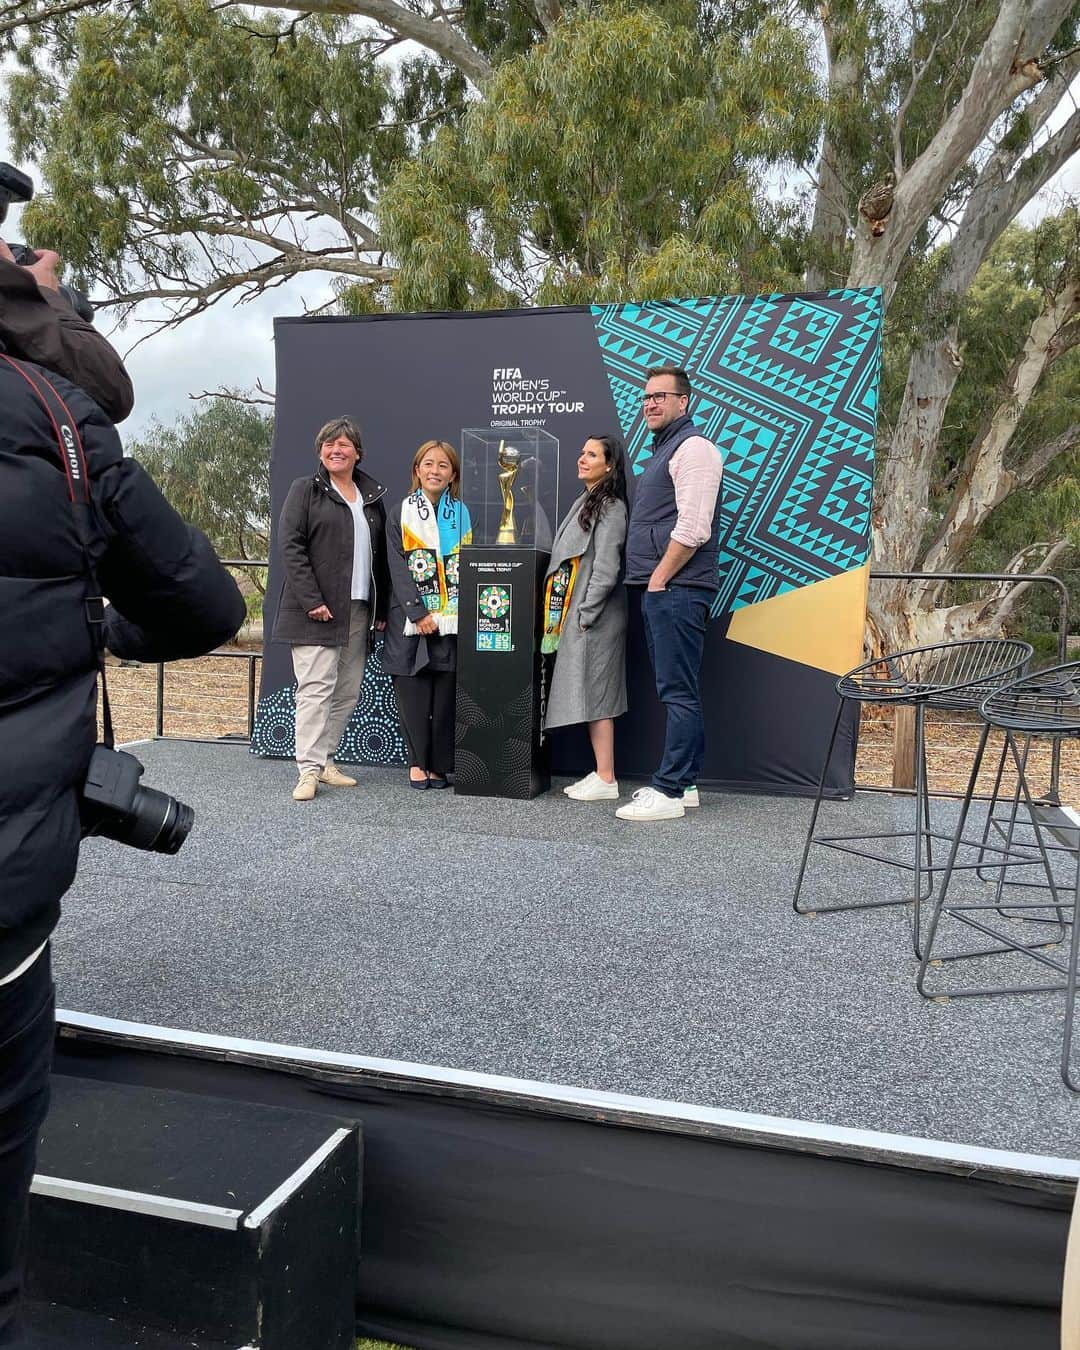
(659, 398)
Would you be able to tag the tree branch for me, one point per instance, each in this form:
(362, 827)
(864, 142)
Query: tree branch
(435, 34)
(265, 396)
(984, 480)
(1006, 66)
(1011, 596)
(18, 16)
(255, 279)
(548, 13)
(1039, 461)
(831, 223)
(917, 75)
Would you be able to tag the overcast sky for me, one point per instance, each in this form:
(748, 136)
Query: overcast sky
(233, 346)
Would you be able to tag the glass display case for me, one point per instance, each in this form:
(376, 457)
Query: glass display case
(510, 483)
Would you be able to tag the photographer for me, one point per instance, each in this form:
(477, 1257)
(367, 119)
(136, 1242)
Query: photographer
(170, 598)
(37, 324)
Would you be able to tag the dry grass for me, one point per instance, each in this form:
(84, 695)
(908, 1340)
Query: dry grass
(208, 697)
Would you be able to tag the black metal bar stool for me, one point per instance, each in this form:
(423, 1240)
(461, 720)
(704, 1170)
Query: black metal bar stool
(949, 675)
(1043, 706)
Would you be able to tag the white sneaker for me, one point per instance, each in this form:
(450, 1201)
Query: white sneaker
(648, 804)
(592, 788)
(690, 797)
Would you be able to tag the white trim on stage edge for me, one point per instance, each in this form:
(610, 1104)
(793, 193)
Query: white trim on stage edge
(601, 1107)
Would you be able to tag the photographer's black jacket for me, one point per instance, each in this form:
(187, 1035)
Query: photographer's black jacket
(170, 598)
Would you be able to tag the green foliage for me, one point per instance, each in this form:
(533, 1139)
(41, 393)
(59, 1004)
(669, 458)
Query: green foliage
(622, 156)
(179, 119)
(214, 467)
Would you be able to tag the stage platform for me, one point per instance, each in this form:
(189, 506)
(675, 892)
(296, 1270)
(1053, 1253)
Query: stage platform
(548, 942)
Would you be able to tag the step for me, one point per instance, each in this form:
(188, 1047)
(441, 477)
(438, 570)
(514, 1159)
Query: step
(53, 1327)
(199, 1216)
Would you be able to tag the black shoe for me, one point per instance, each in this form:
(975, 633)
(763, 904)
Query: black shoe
(438, 782)
(420, 784)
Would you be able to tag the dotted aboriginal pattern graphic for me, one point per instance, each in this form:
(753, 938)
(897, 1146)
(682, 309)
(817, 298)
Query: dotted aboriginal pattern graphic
(373, 735)
(786, 386)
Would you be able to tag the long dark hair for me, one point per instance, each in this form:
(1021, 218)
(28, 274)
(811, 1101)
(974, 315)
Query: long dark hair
(612, 487)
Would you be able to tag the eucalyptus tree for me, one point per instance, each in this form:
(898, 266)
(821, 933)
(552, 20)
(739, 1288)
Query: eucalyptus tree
(214, 466)
(515, 153)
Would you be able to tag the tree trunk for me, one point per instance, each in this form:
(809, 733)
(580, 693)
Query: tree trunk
(831, 225)
(985, 482)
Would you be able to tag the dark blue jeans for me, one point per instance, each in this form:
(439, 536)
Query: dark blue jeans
(26, 1043)
(675, 622)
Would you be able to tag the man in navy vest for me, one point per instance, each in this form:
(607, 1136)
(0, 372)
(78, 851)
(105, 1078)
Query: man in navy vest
(672, 546)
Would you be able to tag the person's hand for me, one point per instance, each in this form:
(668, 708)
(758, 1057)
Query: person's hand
(655, 585)
(46, 271)
(320, 614)
(427, 626)
(380, 625)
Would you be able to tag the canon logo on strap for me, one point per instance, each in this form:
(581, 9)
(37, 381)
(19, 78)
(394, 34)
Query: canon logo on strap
(70, 450)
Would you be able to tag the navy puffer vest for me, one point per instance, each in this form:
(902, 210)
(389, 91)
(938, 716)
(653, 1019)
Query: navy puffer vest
(655, 513)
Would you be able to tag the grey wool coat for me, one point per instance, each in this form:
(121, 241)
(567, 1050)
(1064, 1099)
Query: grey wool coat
(589, 678)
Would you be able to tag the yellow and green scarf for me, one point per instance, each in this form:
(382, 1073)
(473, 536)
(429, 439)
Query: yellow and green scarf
(557, 593)
(432, 538)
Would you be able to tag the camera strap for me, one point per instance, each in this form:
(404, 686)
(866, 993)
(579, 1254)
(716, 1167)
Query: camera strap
(73, 459)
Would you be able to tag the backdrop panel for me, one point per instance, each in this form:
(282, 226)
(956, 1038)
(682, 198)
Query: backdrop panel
(786, 386)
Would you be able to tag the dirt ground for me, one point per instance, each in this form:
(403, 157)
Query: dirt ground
(209, 697)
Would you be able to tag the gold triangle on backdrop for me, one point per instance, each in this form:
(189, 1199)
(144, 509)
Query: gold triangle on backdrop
(820, 625)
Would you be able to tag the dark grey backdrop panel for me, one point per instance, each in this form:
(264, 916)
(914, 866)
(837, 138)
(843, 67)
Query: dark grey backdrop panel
(407, 378)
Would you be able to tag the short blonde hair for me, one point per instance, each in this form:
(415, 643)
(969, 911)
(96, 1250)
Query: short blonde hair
(450, 453)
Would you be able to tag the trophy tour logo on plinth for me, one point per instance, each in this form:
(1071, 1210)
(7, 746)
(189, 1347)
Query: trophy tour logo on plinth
(493, 611)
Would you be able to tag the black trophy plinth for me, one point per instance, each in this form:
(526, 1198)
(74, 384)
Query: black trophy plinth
(499, 750)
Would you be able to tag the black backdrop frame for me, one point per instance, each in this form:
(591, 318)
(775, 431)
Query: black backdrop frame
(407, 377)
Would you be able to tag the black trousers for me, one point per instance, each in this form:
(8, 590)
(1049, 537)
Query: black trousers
(26, 1043)
(426, 705)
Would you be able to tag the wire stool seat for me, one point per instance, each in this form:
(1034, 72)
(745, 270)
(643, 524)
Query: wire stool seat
(1040, 706)
(956, 676)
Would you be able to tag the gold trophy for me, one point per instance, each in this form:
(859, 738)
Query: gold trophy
(509, 461)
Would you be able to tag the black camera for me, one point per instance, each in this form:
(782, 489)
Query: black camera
(115, 805)
(16, 186)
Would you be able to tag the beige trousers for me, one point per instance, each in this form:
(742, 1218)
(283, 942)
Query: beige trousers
(328, 681)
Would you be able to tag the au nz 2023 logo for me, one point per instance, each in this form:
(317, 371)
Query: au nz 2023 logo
(494, 607)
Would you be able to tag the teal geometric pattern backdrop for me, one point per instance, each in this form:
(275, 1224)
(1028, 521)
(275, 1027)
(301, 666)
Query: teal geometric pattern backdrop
(786, 387)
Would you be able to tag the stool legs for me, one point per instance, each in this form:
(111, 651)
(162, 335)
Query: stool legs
(1070, 984)
(922, 869)
(965, 911)
(817, 806)
(946, 878)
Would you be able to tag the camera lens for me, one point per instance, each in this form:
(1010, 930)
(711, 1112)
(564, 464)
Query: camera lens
(156, 822)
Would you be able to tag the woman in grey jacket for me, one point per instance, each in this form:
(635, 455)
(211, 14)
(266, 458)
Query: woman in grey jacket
(585, 613)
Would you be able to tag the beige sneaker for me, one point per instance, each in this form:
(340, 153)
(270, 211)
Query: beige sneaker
(648, 804)
(690, 797)
(592, 788)
(332, 775)
(305, 790)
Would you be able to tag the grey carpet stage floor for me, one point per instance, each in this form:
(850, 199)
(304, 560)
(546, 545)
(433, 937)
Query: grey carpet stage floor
(548, 941)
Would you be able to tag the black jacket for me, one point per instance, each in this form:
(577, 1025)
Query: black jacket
(315, 534)
(405, 654)
(41, 326)
(170, 598)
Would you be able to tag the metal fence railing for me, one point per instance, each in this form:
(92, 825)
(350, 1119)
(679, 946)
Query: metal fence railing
(1002, 578)
(1008, 579)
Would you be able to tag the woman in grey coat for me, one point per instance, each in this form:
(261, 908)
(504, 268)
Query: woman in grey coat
(585, 613)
